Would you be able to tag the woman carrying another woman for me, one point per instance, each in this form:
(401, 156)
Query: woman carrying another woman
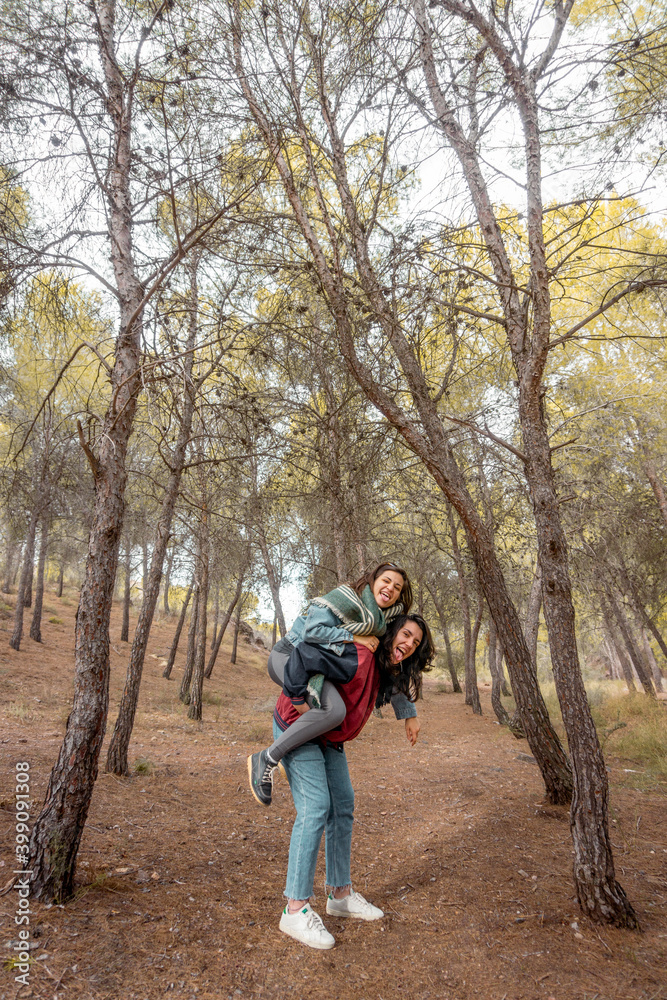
(350, 614)
(317, 771)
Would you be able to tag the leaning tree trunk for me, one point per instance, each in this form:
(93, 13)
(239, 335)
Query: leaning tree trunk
(635, 656)
(56, 835)
(117, 762)
(426, 437)
(197, 683)
(177, 634)
(617, 646)
(223, 625)
(26, 575)
(651, 660)
(127, 591)
(36, 623)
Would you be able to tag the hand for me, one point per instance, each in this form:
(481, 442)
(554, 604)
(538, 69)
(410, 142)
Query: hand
(369, 641)
(412, 727)
(302, 708)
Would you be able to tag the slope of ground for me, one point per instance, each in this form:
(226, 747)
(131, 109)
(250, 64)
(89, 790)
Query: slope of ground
(181, 873)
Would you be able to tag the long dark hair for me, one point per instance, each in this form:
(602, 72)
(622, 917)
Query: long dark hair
(405, 676)
(371, 576)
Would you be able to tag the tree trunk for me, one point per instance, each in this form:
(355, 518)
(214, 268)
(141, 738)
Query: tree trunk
(275, 630)
(237, 622)
(656, 486)
(125, 626)
(184, 692)
(26, 576)
(533, 615)
(117, 762)
(496, 701)
(56, 835)
(472, 669)
(271, 576)
(617, 645)
(197, 683)
(177, 634)
(144, 567)
(224, 623)
(630, 645)
(167, 580)
(651, 661)
(216, 615)
(9, 567)
(61, 578)
(36, 624)
(445, 635)
(472, 693)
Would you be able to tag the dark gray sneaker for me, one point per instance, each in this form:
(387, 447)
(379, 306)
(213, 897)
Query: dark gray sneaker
(260, 774)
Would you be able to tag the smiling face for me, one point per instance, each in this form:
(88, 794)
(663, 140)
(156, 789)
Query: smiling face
(387, 588)
(406, 641)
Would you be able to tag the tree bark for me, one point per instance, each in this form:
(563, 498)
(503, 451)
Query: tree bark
(656, 486)
(197, 683)
(437, 604)
(117, 762)
(496, 686)
(184, 692)
(270, 575)
(235, 643)
(9, 567)
(56, 835)
(61, 578)
(26, 575)
(635, 656)
(216, 615)
(533, 615)
(167, 580)
(177, 634)
(127, 590)
(36, 623)
(224, 623)
(651, 661)
(617, 645)
(471, 689)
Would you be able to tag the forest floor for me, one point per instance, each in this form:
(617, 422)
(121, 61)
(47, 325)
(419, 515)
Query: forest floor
(181, 873)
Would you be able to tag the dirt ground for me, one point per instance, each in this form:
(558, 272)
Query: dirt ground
(181, 873)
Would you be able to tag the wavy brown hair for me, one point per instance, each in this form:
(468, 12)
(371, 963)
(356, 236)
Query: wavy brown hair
(369, 578)
(405, 676)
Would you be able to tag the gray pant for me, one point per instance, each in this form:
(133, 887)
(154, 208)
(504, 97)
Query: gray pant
(316, 721)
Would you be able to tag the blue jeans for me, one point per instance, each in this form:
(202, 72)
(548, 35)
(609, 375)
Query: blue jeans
(324, 801)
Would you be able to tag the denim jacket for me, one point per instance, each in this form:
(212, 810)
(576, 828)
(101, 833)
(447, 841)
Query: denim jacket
(321, 627)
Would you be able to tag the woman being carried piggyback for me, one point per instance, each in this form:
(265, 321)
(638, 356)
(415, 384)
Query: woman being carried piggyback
(332, 624)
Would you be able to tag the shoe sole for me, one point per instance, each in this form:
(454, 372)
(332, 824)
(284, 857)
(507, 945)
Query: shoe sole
(308, 944)
(354, 916)
(255, 795)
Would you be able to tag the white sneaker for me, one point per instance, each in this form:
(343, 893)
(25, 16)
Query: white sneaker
(306, 926)
(353, 905)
